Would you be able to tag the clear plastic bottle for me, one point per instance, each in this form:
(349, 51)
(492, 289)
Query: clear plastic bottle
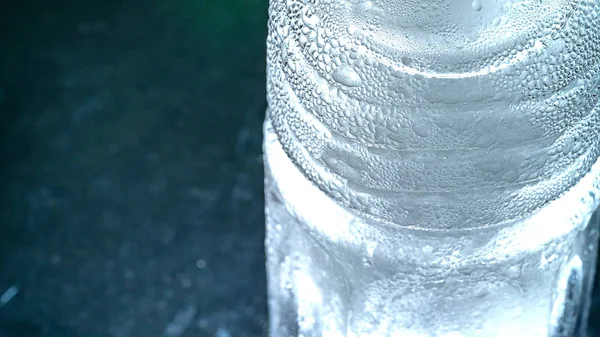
(431, 168)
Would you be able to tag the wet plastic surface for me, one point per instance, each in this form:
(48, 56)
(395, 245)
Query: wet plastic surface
(131, 183)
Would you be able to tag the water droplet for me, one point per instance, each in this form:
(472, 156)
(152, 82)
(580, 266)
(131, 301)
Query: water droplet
(477, 5)
(371, 246)
(482, 290)
(421, 129)
(352, 29)
(365, 6)
(427, 249)
(407, 61)
(347, 76)
(311, 20)
(201, 264)
(514, 272)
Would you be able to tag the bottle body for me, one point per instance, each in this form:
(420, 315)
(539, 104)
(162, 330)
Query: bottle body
(431, 169)
(332, 273)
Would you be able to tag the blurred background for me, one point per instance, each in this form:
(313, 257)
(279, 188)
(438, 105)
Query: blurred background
(131, 201)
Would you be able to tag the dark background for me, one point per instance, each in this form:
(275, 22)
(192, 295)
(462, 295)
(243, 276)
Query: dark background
(131, 177)
(131, 197)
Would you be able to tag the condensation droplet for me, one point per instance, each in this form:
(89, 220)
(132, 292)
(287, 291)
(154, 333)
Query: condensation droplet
(309, 19)
(347, 76)
(427, 249)
(365, 6)
(514, 272)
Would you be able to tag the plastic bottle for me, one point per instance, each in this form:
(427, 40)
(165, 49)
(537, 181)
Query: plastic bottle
(431, 168)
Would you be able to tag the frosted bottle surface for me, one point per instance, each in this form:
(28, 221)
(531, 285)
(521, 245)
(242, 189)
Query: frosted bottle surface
(430, 166)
